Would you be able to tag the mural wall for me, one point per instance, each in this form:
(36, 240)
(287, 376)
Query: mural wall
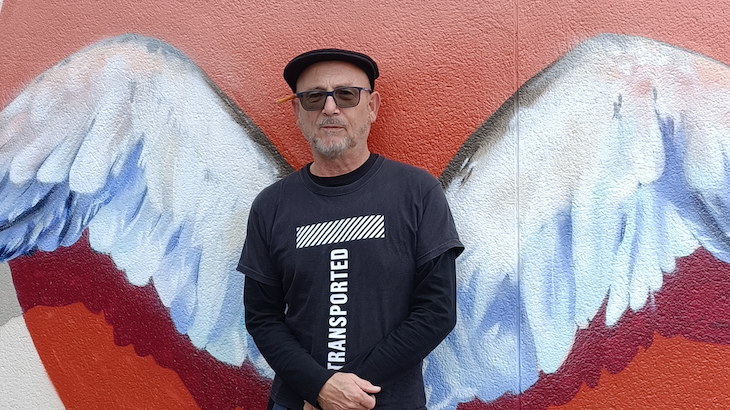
(584, 150)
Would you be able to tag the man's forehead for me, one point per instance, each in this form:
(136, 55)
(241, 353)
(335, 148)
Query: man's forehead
(332, 74)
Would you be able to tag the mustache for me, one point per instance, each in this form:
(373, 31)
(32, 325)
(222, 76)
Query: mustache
(330, 121)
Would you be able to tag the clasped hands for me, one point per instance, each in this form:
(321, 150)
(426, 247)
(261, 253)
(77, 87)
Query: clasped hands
(346, 391)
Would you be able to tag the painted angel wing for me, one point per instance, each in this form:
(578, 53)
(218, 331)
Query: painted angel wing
(129, 138)
(581, 190)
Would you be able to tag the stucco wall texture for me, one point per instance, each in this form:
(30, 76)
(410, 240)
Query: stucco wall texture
(477, 93)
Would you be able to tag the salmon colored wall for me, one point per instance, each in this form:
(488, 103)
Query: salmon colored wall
(446, 66)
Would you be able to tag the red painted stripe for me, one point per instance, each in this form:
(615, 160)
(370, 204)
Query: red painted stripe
(673, 373)
(90, 372)
(78, 275)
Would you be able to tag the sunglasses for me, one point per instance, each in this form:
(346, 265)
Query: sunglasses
(314, 100)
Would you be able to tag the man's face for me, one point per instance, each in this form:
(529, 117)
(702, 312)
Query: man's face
(332, 130)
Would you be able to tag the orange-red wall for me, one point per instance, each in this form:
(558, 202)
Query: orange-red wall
(446, 66)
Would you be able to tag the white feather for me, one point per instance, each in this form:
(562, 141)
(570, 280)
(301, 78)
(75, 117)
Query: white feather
(131, 139)
(582, 190)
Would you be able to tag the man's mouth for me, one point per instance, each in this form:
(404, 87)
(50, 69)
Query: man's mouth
(331, 124)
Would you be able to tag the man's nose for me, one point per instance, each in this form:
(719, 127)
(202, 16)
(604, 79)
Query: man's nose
(330, 107)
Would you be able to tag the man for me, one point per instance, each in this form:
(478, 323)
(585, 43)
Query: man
(349, 262)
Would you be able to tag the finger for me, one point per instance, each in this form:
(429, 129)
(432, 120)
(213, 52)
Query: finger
(367, 387)
(368, 402)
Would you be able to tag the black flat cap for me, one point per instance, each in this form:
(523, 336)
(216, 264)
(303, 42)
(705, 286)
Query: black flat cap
(298, 64)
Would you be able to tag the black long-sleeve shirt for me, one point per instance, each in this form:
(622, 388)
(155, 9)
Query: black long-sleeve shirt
(432, 316)
(355, 276)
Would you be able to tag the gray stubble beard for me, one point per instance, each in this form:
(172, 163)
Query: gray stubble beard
(334, 150)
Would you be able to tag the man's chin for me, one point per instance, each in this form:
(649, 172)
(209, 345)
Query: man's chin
(331, 152)
(332, 149)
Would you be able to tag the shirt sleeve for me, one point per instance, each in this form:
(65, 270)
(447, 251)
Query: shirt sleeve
(432, 317)
(255, 259)
(264, 306)
(436, 232)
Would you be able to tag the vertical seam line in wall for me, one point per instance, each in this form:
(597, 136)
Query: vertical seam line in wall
(518, 267)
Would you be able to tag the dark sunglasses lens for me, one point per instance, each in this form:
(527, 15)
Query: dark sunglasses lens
(313, 100)
(346, 97)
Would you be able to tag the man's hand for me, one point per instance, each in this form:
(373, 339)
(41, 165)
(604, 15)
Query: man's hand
(346, 391)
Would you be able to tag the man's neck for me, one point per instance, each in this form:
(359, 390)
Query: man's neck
(323, 166)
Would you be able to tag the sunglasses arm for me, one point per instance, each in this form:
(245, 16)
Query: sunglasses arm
(285, 99)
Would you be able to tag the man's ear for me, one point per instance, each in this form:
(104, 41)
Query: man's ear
(374, 104)
(295, 107)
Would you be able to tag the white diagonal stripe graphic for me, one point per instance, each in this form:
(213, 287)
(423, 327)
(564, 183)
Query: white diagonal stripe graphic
(303, 233)
(352, 233)
(332, 232)
(368, 228)
(345, 228)
(341, 230)
(313, 234)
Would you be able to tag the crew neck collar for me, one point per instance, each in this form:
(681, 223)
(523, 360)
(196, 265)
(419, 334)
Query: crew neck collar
(342, 184)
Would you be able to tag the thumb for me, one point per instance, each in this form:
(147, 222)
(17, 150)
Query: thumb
(368, 387)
